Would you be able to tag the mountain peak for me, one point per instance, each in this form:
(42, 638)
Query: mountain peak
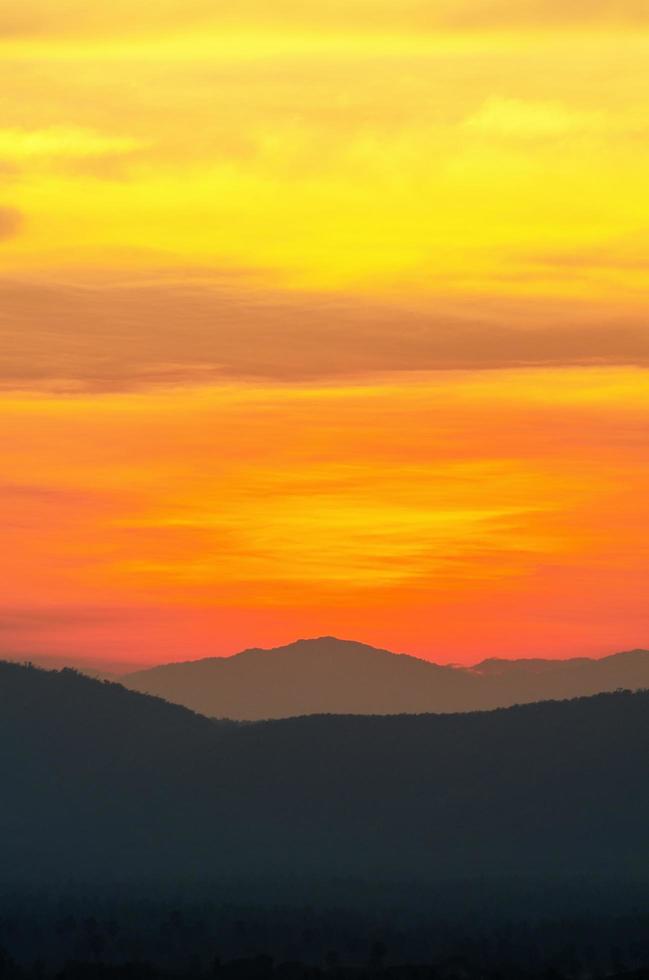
(319, 645)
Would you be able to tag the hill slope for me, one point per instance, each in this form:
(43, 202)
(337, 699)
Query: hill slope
(328, 675)
(101, 782)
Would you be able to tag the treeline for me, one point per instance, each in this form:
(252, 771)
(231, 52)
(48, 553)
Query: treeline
(202, 940)
(263, 968)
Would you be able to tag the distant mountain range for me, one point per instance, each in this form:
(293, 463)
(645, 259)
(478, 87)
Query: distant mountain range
(332, 676)
(101, 782)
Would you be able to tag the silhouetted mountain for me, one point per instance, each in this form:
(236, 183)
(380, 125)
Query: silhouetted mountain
(101, 781)
(331, 676)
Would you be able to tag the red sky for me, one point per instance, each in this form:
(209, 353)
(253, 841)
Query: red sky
(451, 515)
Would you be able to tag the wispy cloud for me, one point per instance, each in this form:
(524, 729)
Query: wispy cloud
(60, 141)
(111, 337)
(38, 17)
(511, 117)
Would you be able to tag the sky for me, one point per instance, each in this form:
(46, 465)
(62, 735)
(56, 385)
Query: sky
(323, 319)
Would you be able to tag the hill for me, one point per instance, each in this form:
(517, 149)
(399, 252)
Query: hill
(331, 676)
(101, 782)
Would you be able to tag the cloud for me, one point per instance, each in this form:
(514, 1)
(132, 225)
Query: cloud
(61, 141)
(44, 618)
(56, 495)
(43, 18)
(111, 337)
(627, 254)
(10, 222)
(510, 117)
(499, 14)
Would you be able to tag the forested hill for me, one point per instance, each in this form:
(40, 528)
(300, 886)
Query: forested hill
(100, 782)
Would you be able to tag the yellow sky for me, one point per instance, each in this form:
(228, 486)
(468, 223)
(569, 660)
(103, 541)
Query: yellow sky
(310, 310)
(491, 147)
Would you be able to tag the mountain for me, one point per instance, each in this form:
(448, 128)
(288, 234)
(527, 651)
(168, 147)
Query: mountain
(331, 676)
(104, 783)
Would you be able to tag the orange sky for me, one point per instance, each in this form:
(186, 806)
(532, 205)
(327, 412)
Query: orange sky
(323, 318)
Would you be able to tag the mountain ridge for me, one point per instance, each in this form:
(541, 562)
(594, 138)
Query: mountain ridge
(328, 675)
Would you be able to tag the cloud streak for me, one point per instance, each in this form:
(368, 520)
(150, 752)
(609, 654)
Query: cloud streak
(34, 18)
(106, 337)
(18, 145)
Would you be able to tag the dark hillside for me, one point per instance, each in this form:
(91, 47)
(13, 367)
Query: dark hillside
(101, 781)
